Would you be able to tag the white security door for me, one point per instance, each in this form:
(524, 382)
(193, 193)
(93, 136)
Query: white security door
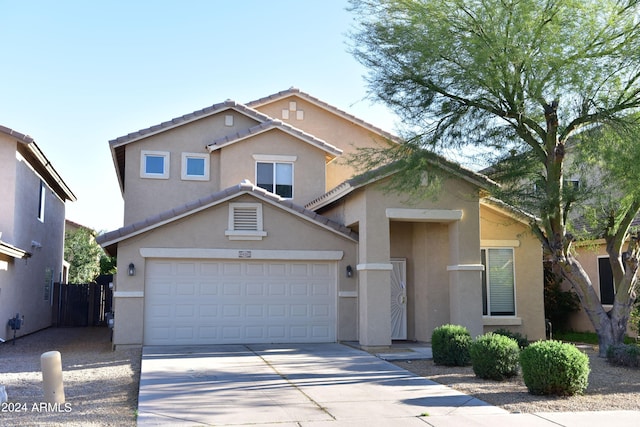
(399, 299)
(229, 301)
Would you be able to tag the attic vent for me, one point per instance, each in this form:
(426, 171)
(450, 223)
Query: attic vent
(245, 218)
(245, 222)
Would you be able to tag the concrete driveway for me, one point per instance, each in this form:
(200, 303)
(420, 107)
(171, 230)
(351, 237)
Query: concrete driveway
(290, 385)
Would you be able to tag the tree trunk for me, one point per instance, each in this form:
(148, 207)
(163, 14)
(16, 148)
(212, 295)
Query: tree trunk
(611, 327)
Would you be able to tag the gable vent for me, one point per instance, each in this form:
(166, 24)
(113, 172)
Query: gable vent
(245, 218)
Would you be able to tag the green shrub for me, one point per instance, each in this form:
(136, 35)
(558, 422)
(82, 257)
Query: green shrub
(553, 367)
(495, 356)
(522, 340)
(450, 345)
(624, 355)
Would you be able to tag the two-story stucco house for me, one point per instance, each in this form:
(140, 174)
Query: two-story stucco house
(244, 224)
(32, 219)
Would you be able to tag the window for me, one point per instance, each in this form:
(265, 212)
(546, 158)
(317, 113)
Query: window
(245, 222)
(276, 178)
(195, 166)
(41, 199)
(498, 282)
(154, 164)
(605, 274)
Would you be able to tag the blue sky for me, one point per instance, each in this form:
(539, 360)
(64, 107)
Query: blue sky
(76, 74)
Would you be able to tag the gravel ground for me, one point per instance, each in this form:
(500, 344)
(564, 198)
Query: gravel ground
(100, 385)
(610, 387)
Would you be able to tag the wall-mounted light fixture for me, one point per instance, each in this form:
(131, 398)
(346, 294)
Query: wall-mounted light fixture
(349, 271)
(132, 269)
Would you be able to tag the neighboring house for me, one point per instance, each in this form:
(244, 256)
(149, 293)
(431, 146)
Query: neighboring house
(244, 224)
(32, 221)
(593, 257)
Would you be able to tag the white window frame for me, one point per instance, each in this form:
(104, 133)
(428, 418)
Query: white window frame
(143, 164)
(276, 159)
(185, 159)
(488, 282)
(42, 198)
(233, 234)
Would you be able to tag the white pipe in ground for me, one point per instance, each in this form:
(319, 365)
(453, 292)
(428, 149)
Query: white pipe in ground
(51, 363)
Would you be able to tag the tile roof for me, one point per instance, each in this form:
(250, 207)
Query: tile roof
(20, 136)
(382, 172)
(303, 95)
(29, 149)
(269, 125)
(109, 239)
(184, 119)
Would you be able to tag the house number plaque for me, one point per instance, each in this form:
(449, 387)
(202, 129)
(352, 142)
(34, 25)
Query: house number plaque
(244, 254)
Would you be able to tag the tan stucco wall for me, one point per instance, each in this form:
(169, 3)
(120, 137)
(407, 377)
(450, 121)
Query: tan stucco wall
(588, 256)
(429, 247)
(425, 248)
(145, 197)
(502, 230)
(333, 129)
(206, 230)
(237, 163)
(22, 281)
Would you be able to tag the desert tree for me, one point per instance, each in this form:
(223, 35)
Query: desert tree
(537, 89)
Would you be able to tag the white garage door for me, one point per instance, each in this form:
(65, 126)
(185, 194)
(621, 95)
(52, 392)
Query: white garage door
(228, 301)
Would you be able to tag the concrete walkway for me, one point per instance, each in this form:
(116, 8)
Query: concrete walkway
(313, 385)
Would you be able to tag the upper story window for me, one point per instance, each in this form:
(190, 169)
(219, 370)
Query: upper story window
(154, 164)
(275, 174)
(195, 166)
(42, 196)
(498, 282)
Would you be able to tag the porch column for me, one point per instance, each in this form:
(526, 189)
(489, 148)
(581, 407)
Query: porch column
(465, 280)
(374, 280)
(375, 304)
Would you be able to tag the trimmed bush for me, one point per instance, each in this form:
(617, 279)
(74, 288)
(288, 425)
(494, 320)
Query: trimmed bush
(450, 345)
(553, 367)
(522, 340)
(495, 357)
(624, 355)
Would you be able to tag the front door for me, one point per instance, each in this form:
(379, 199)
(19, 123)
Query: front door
(399, 299)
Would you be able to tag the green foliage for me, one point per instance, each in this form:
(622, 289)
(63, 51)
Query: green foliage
(554, 368)
(584, 337)
(522, 340)
(83, 254)
(558, 303)
(624, 355)
(634, 318)
(108, 264)
(520, 87)
(495, 356)
(450, 345)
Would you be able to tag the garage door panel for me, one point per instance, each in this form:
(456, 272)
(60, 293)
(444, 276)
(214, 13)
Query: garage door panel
(222, 302)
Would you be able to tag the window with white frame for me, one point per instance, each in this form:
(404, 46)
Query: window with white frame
(245, 222)
(498, 282)
(195, 166)
(42, 196)
(275, 177)
(154, 164)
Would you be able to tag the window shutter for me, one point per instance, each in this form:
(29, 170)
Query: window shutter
(245, 219)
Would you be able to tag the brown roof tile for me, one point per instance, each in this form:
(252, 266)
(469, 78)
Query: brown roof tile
(113, 237)
(274, 124)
